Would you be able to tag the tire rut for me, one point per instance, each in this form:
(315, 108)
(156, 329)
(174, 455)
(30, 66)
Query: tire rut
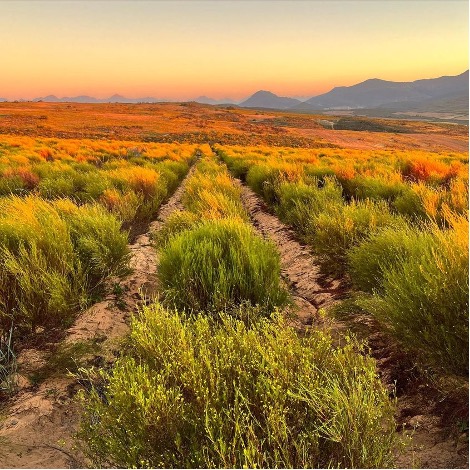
(299, 267)
(38, 424)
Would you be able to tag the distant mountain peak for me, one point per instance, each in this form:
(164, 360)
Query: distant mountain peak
(267, 99)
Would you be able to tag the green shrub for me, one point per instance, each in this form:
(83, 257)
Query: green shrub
(409, 203)
(177, 222)
(344, 226)
(57, 187)
(377, 189)
(172, 173)
(52, 255)
(11, 185)
(369, 261)
(238, 166)
(314, 173)
(424, 300)
(204, 394)
(32, 293)
(299, 202)
(220, 264)
(212, 194)
(262, 179)
(97, 240)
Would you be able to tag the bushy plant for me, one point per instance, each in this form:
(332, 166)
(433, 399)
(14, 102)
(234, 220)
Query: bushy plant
(52, 254)
(424, 299)
(212, 194)
(177, 222)
(195, 393)
(237, 166)
(300, 202)
(220, 264)
(409, 204)
(371, 259)
(378, 188)
(344, 226)
(97, 239)
(262, 178)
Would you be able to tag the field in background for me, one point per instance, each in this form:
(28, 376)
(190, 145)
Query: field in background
(195, 123)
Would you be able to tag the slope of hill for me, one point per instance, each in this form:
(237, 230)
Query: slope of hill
(266, 99)
(375, 92)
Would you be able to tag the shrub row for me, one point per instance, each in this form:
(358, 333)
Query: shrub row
(414, 265)
(61, 238)
(129, 182)
(52, 256)
(223, 381)
(211, 259)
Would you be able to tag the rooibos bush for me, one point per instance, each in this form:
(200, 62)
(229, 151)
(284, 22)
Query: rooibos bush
(205, 394)
(219, 264)
(424, 298)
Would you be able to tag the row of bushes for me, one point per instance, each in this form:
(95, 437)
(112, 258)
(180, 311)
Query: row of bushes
(223, 381)
(52, 257)
(62, 239)
(386, 176)
(130, 184)
(210, 258)
(413, 267)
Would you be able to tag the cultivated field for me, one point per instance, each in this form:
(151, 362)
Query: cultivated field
(193, 286)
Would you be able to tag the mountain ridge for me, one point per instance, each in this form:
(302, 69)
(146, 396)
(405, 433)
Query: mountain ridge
(448, 93)
(373, 93)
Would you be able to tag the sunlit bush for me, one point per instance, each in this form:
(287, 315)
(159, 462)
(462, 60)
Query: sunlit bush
(197, 393)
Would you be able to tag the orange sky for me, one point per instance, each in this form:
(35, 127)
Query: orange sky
(181, 50)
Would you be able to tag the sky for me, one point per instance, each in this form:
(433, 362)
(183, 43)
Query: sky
(184, 49)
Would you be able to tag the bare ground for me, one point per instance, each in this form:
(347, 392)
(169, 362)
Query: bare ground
(311, 291)
(38, 424)
(421, 411)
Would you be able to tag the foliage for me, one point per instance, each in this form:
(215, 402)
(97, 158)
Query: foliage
(52, 255)
(424, 296)
(203, 394)
(220, 264)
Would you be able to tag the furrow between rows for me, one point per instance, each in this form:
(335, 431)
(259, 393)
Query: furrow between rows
(39, 418)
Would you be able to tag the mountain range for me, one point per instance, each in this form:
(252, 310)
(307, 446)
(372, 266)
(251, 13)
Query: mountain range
(91, 99)
(448, 94)
(375, 93)
(444, 96)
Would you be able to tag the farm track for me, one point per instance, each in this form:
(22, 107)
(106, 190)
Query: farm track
(38, 424)
(299, 269)
(419, 411)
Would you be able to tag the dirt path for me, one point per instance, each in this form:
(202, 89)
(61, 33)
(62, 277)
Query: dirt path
(299, 269)
(419, 411)
(37, 426)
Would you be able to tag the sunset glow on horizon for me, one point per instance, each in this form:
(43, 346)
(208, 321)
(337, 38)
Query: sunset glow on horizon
(181, 50)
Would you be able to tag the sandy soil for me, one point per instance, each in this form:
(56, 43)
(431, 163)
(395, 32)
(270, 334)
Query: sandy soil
(38, 424)
(435, 443)
(298, 266)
